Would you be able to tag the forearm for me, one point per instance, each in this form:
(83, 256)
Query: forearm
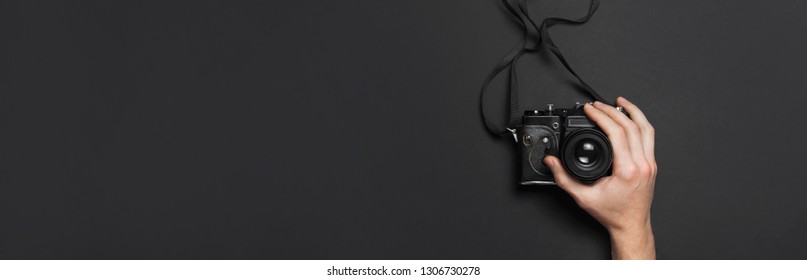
(634, 243)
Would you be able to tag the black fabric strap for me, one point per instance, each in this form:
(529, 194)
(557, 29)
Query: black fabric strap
(534, 37)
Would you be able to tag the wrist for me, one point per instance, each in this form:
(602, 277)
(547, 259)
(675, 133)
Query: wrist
(634, 241)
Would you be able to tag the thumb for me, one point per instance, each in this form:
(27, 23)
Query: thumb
(564, 180)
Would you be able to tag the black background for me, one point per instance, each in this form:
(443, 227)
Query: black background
(351, 130)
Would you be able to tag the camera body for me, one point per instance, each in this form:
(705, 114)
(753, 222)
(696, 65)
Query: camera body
(568, 134)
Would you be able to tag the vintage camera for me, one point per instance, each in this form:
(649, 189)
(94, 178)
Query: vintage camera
(580, 145)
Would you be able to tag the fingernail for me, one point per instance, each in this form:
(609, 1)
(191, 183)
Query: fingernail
(597, 103)
(622, 98)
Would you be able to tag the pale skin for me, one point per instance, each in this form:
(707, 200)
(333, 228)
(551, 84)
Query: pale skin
(620, 202)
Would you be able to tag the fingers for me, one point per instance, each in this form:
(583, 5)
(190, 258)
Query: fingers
(622, 157)
(564, 180)
(647, 130)
(631, 129)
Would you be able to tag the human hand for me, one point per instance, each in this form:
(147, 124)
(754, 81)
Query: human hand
(620, 202)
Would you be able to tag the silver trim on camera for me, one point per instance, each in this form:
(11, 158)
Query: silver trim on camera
(538, 183)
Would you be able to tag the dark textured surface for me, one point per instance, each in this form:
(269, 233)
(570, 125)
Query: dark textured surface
(350, 129)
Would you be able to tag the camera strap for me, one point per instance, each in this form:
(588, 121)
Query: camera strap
(534, 37)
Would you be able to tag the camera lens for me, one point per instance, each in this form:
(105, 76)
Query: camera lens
(586, 154)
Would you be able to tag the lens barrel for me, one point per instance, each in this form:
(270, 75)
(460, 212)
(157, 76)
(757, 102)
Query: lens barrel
(587, 154)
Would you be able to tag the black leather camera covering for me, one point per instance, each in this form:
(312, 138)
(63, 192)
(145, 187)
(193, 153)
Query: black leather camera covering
(535, 142)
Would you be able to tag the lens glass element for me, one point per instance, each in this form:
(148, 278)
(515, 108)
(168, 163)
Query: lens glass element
(587, 153)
